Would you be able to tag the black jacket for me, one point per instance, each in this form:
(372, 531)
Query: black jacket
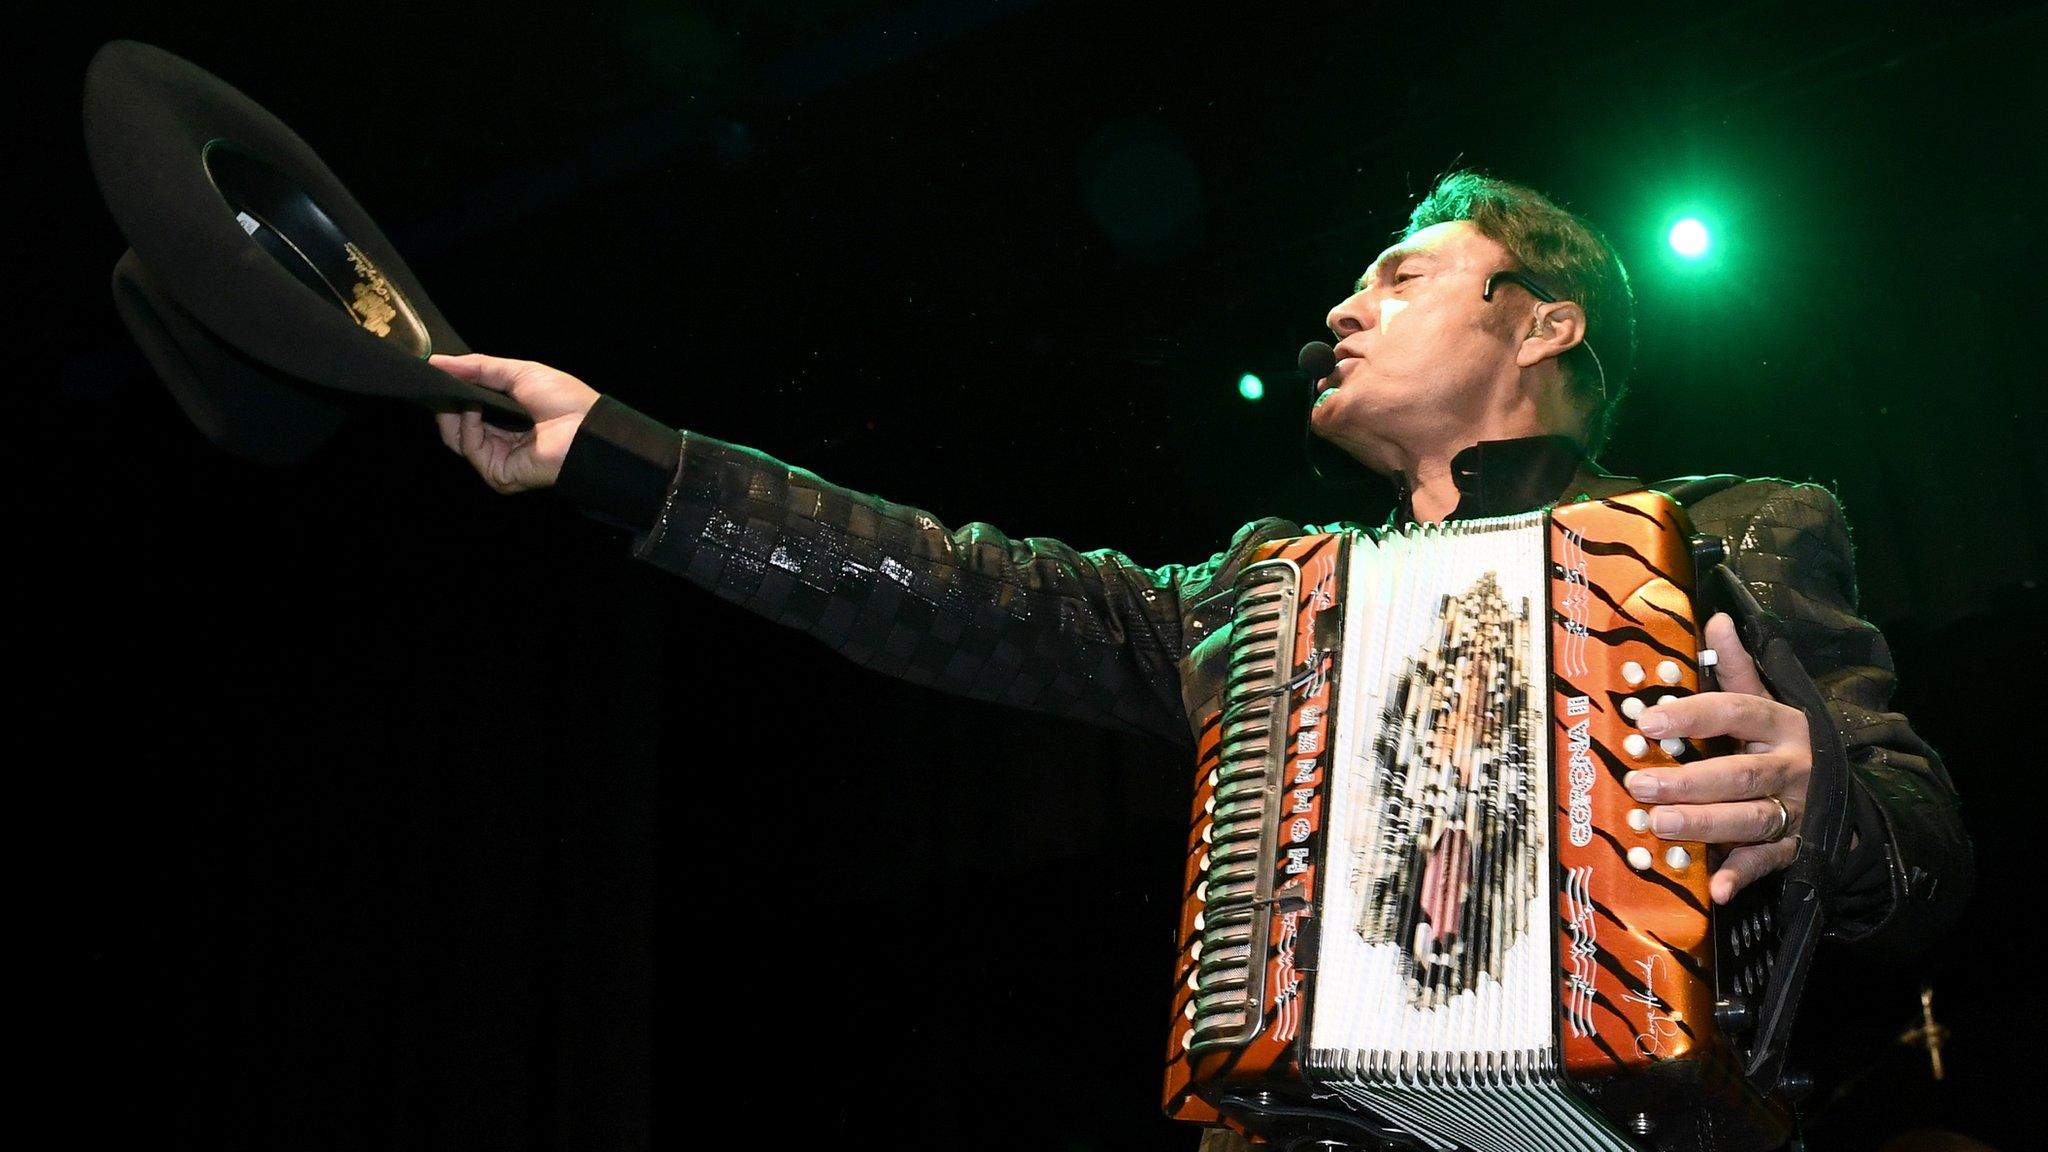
(1036, 624)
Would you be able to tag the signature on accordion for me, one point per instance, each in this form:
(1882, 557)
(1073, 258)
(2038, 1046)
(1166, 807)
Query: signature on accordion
(1420, 908)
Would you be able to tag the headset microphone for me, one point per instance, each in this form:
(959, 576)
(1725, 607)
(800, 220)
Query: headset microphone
(1316, 361)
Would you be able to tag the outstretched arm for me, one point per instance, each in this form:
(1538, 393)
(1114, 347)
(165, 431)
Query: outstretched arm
(1027, 622)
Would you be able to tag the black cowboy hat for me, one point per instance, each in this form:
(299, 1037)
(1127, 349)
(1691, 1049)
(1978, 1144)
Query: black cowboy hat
(258, 288)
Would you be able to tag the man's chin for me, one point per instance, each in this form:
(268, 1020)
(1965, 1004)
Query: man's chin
(1325, 424)
(1321, 414)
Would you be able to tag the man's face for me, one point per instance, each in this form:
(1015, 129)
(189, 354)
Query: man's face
(1421, 355)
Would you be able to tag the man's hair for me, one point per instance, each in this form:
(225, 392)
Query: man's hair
(1570, 258)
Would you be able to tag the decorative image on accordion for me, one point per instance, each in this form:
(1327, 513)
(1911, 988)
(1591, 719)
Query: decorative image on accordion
(1420, 907)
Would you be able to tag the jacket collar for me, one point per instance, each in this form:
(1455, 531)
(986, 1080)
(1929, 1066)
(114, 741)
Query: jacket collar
(1503, 477)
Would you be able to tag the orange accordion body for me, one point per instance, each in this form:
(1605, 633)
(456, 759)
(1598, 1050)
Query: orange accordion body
(1420, 906)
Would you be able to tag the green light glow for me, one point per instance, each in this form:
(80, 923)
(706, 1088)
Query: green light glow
(1251, 387)
(1689, 238)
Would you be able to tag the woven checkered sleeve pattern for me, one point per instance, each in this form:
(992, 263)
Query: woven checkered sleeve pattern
(1031, 623)
(1908, 877)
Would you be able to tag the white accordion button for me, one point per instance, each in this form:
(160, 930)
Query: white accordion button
(1195, 949)
(1209, 805)
(1635, 744)
(1632, 707)
(1208, 833)
(1200, 923)
(1632, 672)
(1189, 1011)
(1187, 1039)
(1638, 820)
(1212, 777)
(1202, 865)
(1677, 857)
(1709, 658)
(1671, 745)
(1202, 894)
(1667, 671)
(1639, 858)
(1194, 979)
(1665, 699)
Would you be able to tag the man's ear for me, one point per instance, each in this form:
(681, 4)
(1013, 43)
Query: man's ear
(1557, 330)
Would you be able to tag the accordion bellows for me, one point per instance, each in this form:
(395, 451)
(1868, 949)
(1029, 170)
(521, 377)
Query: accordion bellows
(1419, 903)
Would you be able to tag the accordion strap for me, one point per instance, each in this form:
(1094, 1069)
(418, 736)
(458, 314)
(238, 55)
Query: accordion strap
(1809, 885)
(1807, 896)
(1690, 490)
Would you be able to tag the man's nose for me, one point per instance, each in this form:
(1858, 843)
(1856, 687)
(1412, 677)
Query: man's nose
(1354, 314)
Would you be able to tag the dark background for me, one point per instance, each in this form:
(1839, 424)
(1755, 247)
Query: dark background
(366, 809)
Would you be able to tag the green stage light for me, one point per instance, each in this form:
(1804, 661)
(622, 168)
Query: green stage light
(1251, 387)
(1689, 238)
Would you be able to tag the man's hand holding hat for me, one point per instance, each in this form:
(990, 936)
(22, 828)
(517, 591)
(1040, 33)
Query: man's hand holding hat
(516, 461)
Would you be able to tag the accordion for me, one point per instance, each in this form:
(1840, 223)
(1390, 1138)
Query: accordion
(1420, 908)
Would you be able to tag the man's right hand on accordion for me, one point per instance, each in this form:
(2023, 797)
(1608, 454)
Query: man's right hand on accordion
(1744, 804)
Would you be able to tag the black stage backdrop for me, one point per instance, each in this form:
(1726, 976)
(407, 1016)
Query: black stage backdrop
(366, 809)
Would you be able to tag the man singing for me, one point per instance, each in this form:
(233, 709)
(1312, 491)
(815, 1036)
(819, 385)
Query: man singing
(1478, 364)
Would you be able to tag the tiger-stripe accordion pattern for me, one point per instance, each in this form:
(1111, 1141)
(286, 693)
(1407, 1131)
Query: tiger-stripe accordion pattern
(1418, 899)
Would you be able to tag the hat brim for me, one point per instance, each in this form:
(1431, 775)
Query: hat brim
(200, 178)
(235, 402)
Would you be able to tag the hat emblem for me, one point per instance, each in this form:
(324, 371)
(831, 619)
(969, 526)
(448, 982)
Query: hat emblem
(373, 307)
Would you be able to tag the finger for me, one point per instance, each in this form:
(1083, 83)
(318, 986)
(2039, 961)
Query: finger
(1749, 718)
(1715, 780)
(450, 426)
(493, 372)
(468, 366)
(510, 456)
(1747, 865)
(1736, 670)
(1742, 822)
(473, 437)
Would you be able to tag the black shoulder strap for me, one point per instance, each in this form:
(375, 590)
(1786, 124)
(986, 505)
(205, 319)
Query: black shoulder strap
(1807, 888)
(1690, 490)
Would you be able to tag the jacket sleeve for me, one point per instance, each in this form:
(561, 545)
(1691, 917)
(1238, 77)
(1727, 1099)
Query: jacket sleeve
(1026, 622)
(1909, 869)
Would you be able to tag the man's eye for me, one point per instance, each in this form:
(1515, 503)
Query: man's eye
(1404, 277)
